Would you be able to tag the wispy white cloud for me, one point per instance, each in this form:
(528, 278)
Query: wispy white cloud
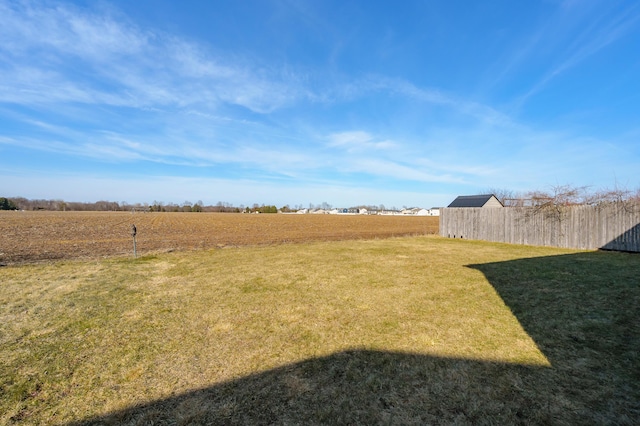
(593, 29)
(359, 141)
(34, 25)
(401, 172)
(137, 67)
(430, 96)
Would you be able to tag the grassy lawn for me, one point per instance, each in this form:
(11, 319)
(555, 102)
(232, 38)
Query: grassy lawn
(395, 331)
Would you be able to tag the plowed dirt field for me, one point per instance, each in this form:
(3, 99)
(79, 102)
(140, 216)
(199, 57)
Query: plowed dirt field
(43, 236)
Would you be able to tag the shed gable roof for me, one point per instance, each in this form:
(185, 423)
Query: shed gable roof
(472, 200)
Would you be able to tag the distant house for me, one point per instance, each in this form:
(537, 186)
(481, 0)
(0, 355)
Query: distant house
(428, 212)
(486, 200)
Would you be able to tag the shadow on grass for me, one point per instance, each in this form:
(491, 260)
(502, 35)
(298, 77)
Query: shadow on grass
(583, 312)
(356, 387)
(627, 241)
(581, 309)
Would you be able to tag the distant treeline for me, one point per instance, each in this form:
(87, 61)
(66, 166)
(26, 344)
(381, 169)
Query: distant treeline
(20, 203)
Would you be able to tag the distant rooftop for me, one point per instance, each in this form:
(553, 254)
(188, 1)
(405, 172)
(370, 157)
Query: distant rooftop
(476, 201)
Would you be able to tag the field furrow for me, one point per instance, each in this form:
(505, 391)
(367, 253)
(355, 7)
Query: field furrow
(41, 236)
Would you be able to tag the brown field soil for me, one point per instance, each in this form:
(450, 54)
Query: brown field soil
(43, 236)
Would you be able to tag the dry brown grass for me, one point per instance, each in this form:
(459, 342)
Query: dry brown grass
(398, 331)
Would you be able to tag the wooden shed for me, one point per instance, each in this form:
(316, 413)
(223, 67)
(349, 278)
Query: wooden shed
(485, 201)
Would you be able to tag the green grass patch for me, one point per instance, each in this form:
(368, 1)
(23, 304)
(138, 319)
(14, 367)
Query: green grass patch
(398, 331)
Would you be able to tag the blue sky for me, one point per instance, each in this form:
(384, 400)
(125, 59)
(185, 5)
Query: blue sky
(406, 103)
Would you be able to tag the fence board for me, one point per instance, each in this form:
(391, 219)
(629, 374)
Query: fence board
(614, 226)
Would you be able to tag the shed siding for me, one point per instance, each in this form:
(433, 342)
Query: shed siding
(492, 202)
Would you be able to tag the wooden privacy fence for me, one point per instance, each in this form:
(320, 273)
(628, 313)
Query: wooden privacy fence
(614, 226)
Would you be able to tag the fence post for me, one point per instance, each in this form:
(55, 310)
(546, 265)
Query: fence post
(134, 231)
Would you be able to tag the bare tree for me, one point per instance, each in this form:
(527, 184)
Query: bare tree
(502, 194)
(562, 195)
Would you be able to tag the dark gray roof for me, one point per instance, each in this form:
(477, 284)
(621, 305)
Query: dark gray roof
(471, 200)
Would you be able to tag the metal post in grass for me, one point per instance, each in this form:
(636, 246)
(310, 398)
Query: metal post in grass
(134, 231)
